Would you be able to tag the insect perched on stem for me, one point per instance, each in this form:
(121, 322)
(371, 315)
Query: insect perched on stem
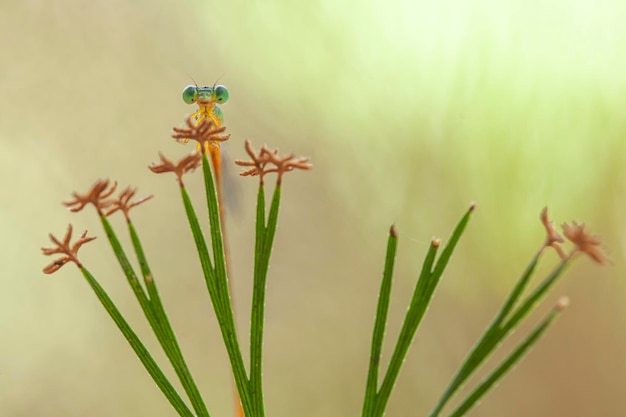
(207, 99)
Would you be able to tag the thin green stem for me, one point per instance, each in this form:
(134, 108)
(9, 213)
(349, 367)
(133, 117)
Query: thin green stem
(263, 249)
(203, 250)
(488, 341)
(217, 241)
(500, 328)
(272, 221)
(505, 366)
(164, 331)
(412, 319)
(131, 276)
(446, 254)
(140, 350)
(221, 301)
(258, 306)
(380, 322)
(534, 297)
(154, 312)
(422, 295)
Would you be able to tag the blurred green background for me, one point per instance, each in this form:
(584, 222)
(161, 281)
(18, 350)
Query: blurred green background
(409, 110)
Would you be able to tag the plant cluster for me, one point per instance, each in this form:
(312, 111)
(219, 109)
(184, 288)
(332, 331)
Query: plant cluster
(213, 260)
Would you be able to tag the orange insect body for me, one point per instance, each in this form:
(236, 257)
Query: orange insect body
(207, 99)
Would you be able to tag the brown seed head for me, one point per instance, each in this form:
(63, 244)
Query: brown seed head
(258, 163)
(124, 204)
(183, 166)
(69, 252)
(260, 160)
(585, 242)
(553, 238)
(97, 195)
(205, 132)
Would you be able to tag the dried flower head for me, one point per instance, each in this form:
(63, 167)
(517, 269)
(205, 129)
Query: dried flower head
(585, 242)
(183, 166)
(260, 160)
(97, 195)
(205, 132)
(124, 204)
(553, 238)
(70, 252)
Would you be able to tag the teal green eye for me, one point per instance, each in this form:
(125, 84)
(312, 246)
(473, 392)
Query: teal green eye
(221, 94)
(190, 94)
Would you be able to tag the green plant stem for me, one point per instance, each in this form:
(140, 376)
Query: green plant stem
(380, 324)
(203, 251)
(217, 240)
(412, 319)
(258, 306)
(131, 276)
(500, 328)
(164, 331)
(154, 312)
(505, 366)
(226, 327)
(221, 297)
(422, 295)
(263, 249)
(534, 297)
(487, 342)
(142, 353)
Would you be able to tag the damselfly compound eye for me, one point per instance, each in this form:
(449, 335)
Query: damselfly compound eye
(190, 94)
(221, 94)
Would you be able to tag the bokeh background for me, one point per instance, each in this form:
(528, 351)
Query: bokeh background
(410, 110)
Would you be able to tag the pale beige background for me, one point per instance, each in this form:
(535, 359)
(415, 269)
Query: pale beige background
(410, 110)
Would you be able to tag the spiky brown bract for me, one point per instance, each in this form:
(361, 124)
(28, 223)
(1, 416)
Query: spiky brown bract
(124, 202)
(205, 132)
(553, 238)
(184, 165)
(585, 242)
(70, 252)
(97, 195)
(260, 160)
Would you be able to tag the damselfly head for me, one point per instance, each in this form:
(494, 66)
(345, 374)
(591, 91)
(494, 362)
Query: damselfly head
(205, 95)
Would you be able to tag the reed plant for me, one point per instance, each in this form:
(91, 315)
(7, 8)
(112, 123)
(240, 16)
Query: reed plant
(267, 163)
